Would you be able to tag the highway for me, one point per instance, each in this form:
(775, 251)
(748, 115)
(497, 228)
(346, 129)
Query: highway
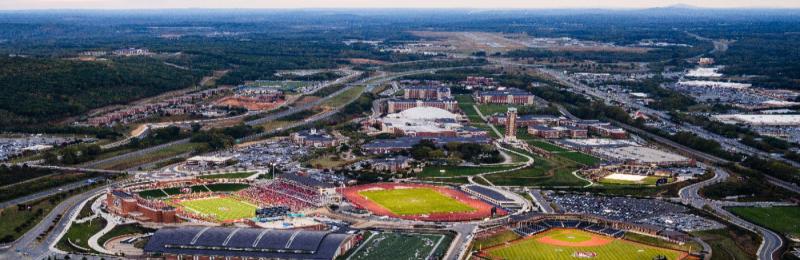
(42, 194)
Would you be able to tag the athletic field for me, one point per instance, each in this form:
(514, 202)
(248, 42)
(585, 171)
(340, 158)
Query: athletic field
(404, 246)
(563, 244)
(415, 201)
(222, 209)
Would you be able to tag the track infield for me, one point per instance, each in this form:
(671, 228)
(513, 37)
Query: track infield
(563, 244)
(414, 201)
(418, 202)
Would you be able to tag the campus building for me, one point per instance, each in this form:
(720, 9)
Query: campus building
(313, 138)
(397, 105)
(427, 92)
(128, 205)
(510, 96)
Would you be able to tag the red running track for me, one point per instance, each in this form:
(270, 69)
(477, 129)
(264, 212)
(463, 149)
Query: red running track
(482, 209)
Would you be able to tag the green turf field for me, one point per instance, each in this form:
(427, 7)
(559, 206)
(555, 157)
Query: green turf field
(782, 219)
(617, 249)
(222, 208)
(381, 246)
(415, 201)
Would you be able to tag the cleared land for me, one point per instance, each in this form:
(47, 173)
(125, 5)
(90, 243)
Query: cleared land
(415, 201)
(571, 243)
(381, 246)
(782, 219)
(221, 208)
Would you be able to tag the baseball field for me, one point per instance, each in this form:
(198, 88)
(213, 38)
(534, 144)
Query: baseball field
(415, 201)
(221, 208)
(558, 244)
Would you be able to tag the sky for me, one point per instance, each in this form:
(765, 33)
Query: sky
(481, 4)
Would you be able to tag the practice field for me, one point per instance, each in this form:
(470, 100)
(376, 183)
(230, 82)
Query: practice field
(223, 209)
(558, 244)
(401, 246)
(415, 201)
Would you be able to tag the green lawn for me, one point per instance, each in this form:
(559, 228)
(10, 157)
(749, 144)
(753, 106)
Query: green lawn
(490, 109)
(236, 175)
(554, 171)
(617, 249)
(723, 245)
(401, 246)
(497, 239)
(465, 102)
(415, 201)
(346, 96)
(127, 229)
(453, 171)
(581, 158)
(221, 209)
(79, 234)
(785, 220)
(547, 146)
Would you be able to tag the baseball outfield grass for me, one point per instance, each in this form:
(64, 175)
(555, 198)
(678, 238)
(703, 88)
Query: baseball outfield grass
(558, 244)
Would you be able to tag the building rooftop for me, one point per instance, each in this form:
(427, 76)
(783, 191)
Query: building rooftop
(246, 242)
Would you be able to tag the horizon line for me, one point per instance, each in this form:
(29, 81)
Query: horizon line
(674, 7)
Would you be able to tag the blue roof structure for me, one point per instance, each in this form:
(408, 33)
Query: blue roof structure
(246, 242)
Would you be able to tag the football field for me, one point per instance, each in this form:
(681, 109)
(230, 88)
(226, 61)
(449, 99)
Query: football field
(401, 246)
(222, 209)
(415, 201)
(558, 244)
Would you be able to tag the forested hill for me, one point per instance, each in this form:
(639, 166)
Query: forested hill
(36, 90)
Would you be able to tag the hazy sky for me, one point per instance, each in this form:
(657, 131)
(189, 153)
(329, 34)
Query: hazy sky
(499, 4)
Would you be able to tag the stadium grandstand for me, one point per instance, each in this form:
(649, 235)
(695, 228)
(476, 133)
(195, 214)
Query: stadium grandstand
(247, 243)
(532, 223)
(294, 191)
(492, 196)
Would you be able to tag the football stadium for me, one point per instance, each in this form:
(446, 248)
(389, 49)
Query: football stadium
(419, 202)
(216, 200)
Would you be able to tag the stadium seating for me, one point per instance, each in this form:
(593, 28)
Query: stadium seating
(283, 193)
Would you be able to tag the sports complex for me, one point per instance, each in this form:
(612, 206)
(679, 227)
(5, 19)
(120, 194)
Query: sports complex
(397, 220)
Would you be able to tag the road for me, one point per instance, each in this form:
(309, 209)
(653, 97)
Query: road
(43, 194)
(771, 243)
(28, 247)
